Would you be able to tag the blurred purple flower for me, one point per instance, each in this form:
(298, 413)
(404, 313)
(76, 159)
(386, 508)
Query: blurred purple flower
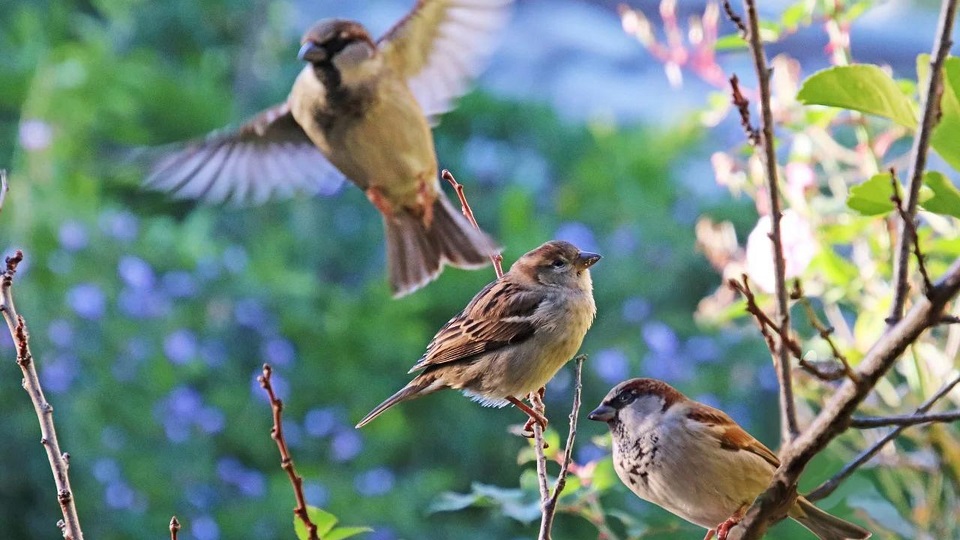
(235, 259)
(143, 303)
(60, 333)
(72, 235)
(320, 422)
(346, 445)
(668, 368)
(179, 284)
(180, 346)
(590, 452)
(316, 494)
(87, 300)
(660, 338)
(208, 267)
(611, 365)
(120, 495)
(577, 234)
(35, 135)
(229, 469)
(205, 528)
(200, 496)
(106, 470)
(624, 240)
(211, 420)
(213, 352)
(702, 349)
(378, 481)
(58, 375)
(121, 225)
(636, 309)
(251, 313)
(136, 272)
(183, 402)
(278, 351)
(252, 484)
(176, 430)
(767, 378)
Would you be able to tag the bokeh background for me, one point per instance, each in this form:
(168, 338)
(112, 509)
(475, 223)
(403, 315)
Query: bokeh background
(151, 318)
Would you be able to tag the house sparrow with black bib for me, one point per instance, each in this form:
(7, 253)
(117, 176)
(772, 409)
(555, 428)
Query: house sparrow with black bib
(696, 462)
(361, 109)
(513, 336)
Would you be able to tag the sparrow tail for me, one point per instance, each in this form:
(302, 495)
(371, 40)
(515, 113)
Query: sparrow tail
(417, 252)
(824, 525)
(418, 387)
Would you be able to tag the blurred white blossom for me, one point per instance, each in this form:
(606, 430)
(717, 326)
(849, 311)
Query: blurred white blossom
(35, 135)
(799, 247)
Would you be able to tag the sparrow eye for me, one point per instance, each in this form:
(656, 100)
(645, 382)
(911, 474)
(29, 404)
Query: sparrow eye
(558, 263)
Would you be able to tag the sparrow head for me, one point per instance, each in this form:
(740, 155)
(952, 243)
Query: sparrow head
(636, 400)
(337, 42)
(557, 263)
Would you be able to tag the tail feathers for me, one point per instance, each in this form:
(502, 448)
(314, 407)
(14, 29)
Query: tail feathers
(416, 253)
(824, 525)
(420, 386)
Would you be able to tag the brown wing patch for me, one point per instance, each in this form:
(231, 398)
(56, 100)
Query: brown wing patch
(731, 436)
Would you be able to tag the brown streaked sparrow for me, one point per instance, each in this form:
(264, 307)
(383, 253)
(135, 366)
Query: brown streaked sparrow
(696, 462)
(514, 335)
(361, 109)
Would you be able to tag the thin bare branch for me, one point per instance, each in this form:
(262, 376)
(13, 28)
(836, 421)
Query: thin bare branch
(911, 227)
(174, 528)
(826, 332)
(949, 319)
(828, 487)
(286, 461)
(835, 416)
(734, 18)
(764, 145)
(496, 258)
(743, 107)
(930, 105)
(59, 460)
(906, 420)
(549, 504)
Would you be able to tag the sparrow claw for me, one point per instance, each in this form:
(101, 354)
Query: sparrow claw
(710, 533)
(723, 529)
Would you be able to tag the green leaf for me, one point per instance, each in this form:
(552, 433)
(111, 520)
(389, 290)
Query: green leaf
(946, 196)
(872, 198)
(860, 87)
(946, 136)
(325, 521)
(449, 501)
(604, 476)
(730, 42)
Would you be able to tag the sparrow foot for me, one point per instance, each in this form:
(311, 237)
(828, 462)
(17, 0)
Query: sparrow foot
(710, 533)
(723, 529)
(379, 200)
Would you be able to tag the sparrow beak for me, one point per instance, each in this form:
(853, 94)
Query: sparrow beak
(585, 260)
(311, 52)
(603, 413)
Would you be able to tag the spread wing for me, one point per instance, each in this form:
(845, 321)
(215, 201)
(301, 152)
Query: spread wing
(501, 314)
(269, 156)
(730, 435)
(441, 46)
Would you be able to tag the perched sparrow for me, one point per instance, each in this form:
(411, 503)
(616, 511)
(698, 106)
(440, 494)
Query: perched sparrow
(514, 335)
(695, 461)
(361, 109)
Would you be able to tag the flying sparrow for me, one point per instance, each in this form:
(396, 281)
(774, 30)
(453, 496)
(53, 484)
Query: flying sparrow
(513, 336)
(360, 109)
(695, 461)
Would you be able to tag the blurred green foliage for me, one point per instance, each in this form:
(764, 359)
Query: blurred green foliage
(150, 318)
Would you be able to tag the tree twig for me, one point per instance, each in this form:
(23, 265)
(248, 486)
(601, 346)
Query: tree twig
(911, 228)
(174, 528)
(286, 461)
(734, 18)
(930, 105)
(743, 107)
(906, 420)
(4, 187)
(828, 487)
(834, 418)
(825, 332)
(765, 146)
(496, 258)
(548, 500)
(59, 460)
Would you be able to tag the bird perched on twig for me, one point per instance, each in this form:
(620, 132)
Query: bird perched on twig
(514, 335)
(361, 109)
(696, 462)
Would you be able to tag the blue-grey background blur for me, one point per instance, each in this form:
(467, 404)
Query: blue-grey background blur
(150, 319)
